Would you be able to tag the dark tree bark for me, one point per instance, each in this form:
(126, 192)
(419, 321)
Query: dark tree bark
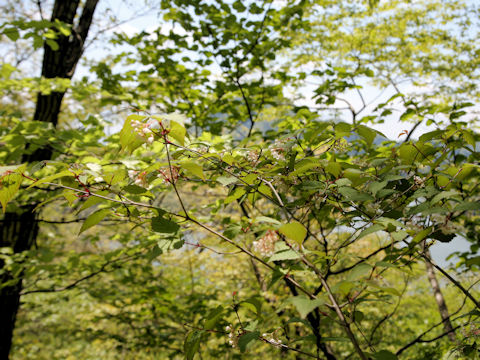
(19, 229)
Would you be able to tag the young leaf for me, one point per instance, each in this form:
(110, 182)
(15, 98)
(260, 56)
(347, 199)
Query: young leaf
(193, 168)
(9, 185)
(294, 231)
(94, 219)
(51, 177)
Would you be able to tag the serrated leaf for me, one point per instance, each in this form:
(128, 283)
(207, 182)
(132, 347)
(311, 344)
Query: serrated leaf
(294, 231)
(69, 195)
(354, 195)
(51, 178)
(213, 317)
(228, 158)
(284, 255)
(370, 230)
(442, 195)
(162, 225)
(134, 189)
(192, 343)
(129, 139)
(10, 184)
(194, 169)
(334, 168)
(246, 338)
(93, 200)
(421, 235)
(226, 180)
(94, 219)
(359, 271)
(368, 134)
(235, 195)
(304, 305)
(260, 219)
(253, 304)
(465, 206)
(178, 132)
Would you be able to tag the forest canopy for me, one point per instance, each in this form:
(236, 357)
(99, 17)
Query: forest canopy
(239, 179)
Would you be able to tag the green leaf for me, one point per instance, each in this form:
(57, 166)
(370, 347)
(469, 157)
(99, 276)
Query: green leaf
(93, 200)
(421, 235)
(134, 189)
(53, 44)
(370, 230)
(213, 317)
(94, 219)
(442, 195)
(465, 206)
(376, 186)
(193, 168)
(12, 33)
(253, 304)
(228, 158)
(192, 343)
(129, 139)
(304, 305)
(178, 132)
(384, 355)
(165, 226)
(354, 195)
(441, 236)
(284, 255)
(469, 138)
(367, 133)
(52, 177)
(408, 153)
(246, 338)
(334, 168)
(359, 271)
(266, 219)
(226, 180)
(294, 231)
(237, 194)
(9, 185)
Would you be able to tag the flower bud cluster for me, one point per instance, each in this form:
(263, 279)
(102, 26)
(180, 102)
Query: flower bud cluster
(253, 156)
(266, 244)
(169, 174)
(232, 336)
(140, 178)
(272, 338)
(146, 129)
(419, 182)
(279, 148)
(340, 144)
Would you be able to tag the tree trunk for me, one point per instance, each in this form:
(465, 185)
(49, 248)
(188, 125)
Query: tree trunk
(442, 306)
(19, 229)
